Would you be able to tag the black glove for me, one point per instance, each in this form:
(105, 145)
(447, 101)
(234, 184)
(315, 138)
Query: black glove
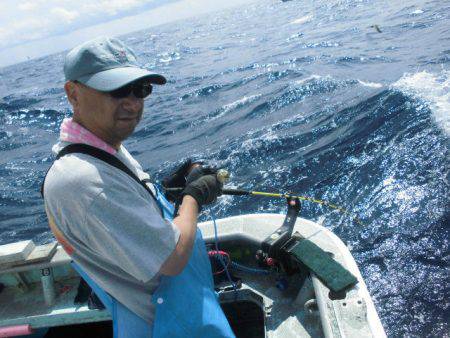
(198, 172)
(202, 184)
(177, 180)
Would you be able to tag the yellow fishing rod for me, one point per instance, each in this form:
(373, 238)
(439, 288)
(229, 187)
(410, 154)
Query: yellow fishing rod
(223, 176)
(239, 192)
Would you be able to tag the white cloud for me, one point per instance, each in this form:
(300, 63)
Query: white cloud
(23, 21)
(24, 30)
(65, 14)
(28, 6)
(113, 7)
(28, 34)
(30, 24)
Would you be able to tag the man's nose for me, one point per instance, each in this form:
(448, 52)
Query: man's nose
(132, 103)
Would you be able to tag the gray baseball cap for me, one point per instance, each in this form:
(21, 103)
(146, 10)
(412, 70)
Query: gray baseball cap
(106, 64)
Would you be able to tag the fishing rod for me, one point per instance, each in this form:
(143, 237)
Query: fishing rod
(223, 176)
(239, 192)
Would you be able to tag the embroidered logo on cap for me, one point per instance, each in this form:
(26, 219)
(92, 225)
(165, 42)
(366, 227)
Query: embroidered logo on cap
(121, 56)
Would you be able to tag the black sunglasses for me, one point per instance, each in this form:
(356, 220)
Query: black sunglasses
(140, 90)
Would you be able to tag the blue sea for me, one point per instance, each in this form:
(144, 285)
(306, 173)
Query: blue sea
(346, 101)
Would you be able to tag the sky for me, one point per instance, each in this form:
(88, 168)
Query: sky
(34, 28)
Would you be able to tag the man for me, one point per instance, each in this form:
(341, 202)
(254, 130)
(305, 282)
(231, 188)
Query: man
(106, 218)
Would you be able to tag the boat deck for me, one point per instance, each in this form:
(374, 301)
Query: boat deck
(22, 299)
(18, 307)
(284, 317)
(303, 308)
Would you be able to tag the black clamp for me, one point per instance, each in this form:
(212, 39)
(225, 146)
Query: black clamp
(271, 248)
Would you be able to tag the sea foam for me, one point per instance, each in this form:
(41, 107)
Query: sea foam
(370, 84)
(433, 89)
(303, 19)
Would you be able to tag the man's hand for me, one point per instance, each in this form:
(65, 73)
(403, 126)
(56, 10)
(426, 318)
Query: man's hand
(178, 180)
(202, 184)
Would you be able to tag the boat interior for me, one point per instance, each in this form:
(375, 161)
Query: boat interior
(263, 290)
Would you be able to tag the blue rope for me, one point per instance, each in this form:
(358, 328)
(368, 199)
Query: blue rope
(225, 267)
(247, 269)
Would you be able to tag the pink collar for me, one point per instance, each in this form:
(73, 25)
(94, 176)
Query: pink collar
(74, 133)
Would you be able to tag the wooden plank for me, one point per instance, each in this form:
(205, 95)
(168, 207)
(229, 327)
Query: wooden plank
(41, 253)
(15, 252)
(59, 258)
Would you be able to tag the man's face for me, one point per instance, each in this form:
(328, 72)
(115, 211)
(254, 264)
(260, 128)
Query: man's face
(111, 119)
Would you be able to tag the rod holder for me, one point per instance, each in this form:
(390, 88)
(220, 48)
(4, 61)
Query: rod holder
(48, 286)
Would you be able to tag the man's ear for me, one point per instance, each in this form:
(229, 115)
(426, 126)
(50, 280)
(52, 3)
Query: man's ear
(72, 93)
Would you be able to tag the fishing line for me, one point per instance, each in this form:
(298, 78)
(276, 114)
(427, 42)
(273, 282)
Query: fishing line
(238, 192)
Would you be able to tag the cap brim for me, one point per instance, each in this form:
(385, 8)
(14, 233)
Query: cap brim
(115, 78)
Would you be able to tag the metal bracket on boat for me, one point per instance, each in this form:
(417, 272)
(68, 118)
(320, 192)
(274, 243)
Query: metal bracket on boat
(271, 246)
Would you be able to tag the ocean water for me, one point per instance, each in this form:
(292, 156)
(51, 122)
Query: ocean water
(295, 96)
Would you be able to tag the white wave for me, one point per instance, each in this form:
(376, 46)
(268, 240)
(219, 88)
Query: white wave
(236, 104)
(168, 57)
(303, 19)
(370, 84)
(240, 102)
(328, 77)
(309, 78)
(417, 11)
(433, 89)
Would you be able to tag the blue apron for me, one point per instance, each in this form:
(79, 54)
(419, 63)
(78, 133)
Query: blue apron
(126, 324)
(186, 305)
